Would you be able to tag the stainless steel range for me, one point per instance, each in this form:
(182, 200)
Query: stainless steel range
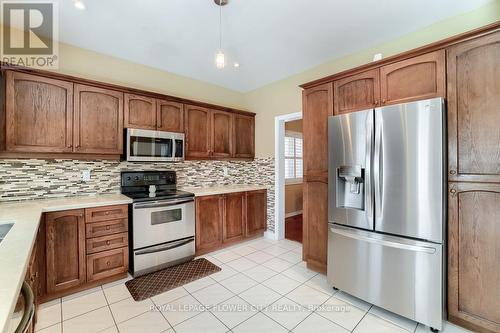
(161, 223)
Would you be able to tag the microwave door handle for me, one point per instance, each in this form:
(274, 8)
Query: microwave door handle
(165, 247)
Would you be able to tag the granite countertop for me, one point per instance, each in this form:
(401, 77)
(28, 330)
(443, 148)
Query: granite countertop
(16, 248)
(214, 190)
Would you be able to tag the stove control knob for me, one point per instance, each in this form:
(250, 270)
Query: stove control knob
(129, 178)
(136, 178)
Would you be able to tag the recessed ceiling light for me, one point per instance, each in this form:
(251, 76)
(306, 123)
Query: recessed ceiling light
(79, 4)
(236, 65)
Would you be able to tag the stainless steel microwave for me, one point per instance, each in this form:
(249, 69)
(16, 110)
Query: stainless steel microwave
(154, 146)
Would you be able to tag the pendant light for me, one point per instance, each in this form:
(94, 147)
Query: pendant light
(220, 58)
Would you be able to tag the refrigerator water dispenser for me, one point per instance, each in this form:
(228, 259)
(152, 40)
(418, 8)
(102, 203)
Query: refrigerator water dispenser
(350, 187)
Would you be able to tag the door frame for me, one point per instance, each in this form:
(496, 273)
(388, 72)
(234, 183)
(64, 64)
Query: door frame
(279, 172)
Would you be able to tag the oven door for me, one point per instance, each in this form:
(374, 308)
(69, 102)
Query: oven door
(159, 222)
(145, 145)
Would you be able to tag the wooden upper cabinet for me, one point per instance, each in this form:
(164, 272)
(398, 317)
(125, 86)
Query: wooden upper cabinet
(98, 125)
(357, 92)
(474, 256)
(198, 131)
(256, 212)
(39, 114)
(209, 217)
(222, 136)
(244, 136)
(233, 228)
(65, 249)
(417, 78)
(474, 110)
(317, 107)
(140, 112)
(169, 116)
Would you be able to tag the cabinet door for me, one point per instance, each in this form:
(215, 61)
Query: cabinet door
(357, 92)
(473, 110)
(39, 114)
(169, 116)
(222, 136)
(417, 78)
(140, 112)
(234, 217)
(256, 222)
(316, 226)
(474, 256)
(98, 126)
(244, 136)
(198, 132)
(65, 249)
(209, 216)
(317, 107)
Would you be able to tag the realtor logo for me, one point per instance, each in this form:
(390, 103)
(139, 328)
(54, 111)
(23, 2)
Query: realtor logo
(30, 33)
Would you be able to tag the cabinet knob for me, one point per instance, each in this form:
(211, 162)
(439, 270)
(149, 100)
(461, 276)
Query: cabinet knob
(108, 227)
(453, 191)
(108, 242)
(452, 172)
(383, 101)
(107, 213)
(108, 263)
(376, 102)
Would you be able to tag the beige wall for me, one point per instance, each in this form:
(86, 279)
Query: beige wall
(293, 198)
(284, 96)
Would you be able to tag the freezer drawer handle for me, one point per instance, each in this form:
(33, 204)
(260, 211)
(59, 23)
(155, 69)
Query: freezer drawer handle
(398, 245)
(164, 248)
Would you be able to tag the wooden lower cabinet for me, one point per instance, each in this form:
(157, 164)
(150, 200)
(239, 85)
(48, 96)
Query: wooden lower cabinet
(474, 256)
(209, 216)
(73, 253)
(233, 227)
(224, 219)
(65, 250)
(315, 233)
(256, 219)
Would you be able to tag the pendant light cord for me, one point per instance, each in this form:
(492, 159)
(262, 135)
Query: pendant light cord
(220, 26)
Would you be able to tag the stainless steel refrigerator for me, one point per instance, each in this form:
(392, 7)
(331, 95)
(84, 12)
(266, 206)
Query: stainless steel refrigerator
(386, 209)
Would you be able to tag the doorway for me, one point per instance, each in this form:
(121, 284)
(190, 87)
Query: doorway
(288, 177)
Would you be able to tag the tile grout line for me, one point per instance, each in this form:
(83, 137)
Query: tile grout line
(109, 308)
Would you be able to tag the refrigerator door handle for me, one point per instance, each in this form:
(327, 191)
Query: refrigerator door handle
(378, 165)
(368, 169)
(389, 243)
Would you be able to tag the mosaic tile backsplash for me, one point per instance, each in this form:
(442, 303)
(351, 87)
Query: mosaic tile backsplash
(37, 179)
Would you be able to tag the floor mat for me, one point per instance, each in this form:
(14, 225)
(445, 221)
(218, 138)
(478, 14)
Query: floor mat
(169, 278)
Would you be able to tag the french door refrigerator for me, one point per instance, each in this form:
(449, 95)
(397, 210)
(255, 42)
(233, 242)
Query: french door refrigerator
(386, 207)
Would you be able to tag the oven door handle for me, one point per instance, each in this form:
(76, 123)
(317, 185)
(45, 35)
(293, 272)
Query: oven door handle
(165, 247)
(157, 204)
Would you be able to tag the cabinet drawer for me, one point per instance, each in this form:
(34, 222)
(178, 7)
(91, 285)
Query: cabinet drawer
(106, 213)
(108, 263)
(104, 228)
(104, 243)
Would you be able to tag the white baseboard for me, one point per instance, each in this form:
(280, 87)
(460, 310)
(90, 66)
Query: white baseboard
(293, 213)
(269, 234)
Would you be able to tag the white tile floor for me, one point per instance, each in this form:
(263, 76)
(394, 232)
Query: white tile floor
(270, 275)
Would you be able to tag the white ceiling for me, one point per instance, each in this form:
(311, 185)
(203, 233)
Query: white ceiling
(271, 39)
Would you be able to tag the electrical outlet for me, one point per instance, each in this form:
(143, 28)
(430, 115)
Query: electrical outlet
(226, 171)
(86, 175)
